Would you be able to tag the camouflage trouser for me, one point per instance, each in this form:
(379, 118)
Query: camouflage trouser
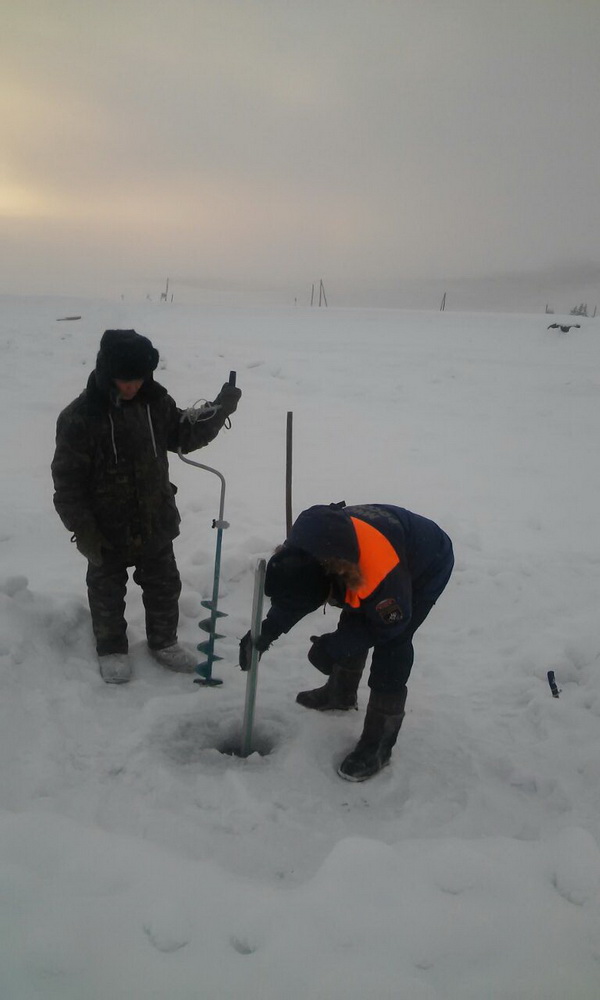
(157, 575)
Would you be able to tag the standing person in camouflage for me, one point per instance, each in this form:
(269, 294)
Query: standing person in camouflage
(112, 490)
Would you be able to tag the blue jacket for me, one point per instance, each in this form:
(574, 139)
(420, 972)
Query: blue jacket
(404, 558)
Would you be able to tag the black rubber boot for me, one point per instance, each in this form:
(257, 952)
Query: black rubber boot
(339, 693)
(385, 713)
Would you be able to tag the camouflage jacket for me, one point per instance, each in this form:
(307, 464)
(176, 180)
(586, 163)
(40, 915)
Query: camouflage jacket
(111, 469)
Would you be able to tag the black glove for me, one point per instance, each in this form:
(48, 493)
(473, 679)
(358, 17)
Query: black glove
(90, 543)
(262, 643)
(228, 399)
(318, 655)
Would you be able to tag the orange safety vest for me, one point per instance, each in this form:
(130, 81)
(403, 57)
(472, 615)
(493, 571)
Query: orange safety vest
(376, 558)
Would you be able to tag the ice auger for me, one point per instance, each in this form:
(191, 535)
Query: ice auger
(204, 670)
(252, 676)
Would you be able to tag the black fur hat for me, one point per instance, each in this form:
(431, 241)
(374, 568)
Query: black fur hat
(126, 355)
(295, 579)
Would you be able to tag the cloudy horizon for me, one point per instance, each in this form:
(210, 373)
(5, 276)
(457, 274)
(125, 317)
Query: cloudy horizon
(393, 149)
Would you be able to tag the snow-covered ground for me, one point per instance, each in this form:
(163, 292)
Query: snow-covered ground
(137, 858)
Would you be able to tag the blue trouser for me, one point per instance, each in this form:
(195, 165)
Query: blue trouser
(392, 661)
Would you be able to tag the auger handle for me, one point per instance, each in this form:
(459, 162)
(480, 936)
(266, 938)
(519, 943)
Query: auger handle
(232, 378)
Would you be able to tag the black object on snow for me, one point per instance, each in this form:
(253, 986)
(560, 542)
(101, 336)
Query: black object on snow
(552, 682)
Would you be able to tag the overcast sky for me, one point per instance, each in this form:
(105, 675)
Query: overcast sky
(256, 146)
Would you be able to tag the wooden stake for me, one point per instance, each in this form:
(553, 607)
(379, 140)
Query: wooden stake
(288, 473)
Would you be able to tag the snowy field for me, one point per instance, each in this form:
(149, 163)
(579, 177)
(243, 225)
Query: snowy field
(138, 861)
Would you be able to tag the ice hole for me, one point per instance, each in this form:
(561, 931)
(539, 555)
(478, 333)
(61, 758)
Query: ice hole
(261, 743)
(187, 741)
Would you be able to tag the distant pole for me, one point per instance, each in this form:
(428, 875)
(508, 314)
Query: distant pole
(312, 294)
(443, 305)
(288, 473)
(322, 296)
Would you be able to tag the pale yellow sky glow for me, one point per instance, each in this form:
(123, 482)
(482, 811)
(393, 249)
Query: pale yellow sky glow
(265, 143)
(17, 202)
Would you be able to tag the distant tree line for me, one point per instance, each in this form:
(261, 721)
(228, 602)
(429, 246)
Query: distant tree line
(580, 310)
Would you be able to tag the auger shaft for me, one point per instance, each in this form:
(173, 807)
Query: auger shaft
(252, 676)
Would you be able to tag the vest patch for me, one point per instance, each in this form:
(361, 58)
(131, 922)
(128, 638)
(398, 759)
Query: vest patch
(389, 611)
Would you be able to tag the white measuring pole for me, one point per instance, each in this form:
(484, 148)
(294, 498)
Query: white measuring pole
(252, 678)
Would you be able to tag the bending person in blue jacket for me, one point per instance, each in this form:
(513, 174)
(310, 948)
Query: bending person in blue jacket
(385, 567)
